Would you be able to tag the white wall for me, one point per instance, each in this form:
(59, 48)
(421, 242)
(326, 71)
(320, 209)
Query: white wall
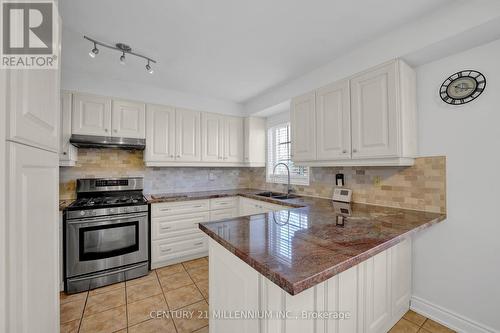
(457, 263)
(84, 82)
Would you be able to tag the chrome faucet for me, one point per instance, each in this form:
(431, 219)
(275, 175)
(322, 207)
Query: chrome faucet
(289, 189)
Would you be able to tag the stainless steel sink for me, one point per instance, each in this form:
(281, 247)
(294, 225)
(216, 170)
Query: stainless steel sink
(276, 195)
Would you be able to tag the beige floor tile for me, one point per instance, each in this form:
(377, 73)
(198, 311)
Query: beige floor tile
(198, 274)
(196, 263)
(153, 326)
(203, 286)
(107, 288)
(414, 317)
(423, 330)
(435, 327)
(71, 311)
(175, 281)
(143, 290)
(169, 270)
(104, 301)
(183, 296)
(151, 276)
(65, 298)
(105, 322)
(141, 311)
(70, 327)
(404, 326)
(202, 330)
(185, 325)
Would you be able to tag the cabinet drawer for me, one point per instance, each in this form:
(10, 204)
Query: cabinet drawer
(168, 249)
(179, 207)
(168, 226)
(222, 214)
(223, 203)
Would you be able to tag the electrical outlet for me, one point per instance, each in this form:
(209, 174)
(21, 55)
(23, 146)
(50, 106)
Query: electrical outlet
(211, 176)
(376, 181)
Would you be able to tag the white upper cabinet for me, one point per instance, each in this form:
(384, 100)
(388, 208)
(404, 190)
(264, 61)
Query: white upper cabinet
(128, 119)
(303, 121)
(374, 113)
(233, 140)
(333, 119)
(91, 115)
(212, 130)
(255, 141)
(188, 138)
(67, 152)
(35, 120)
(368, 119)
(160, 134)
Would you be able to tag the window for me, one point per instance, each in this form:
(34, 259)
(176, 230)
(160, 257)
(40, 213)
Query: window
(279, 151)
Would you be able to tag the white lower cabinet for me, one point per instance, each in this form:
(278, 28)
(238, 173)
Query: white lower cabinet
(372, 295)
(175, 234)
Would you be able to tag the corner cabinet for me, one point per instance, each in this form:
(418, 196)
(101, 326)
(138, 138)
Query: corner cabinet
(367, 119)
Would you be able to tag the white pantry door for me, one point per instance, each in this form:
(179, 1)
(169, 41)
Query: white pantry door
(32, 242)
(188, 139)
(374, 113)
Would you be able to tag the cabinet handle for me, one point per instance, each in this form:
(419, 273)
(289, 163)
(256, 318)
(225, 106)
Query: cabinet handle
(164, 209)
(199, 243)
(106, 130)
(199, 206)
(354, 150)
(166, 250)
(178, 156)
(115, 130)
(171, 156)
(165, 228)
(65, 153)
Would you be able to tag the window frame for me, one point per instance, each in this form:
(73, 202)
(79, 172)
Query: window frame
(295, 179)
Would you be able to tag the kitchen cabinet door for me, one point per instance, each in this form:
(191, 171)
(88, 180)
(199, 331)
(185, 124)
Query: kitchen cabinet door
(255, 141)
(233, 140)
(374, 113)
(303, 127)
(33, 244)
(377, 292)
(212, 130)
(91, 115)
(333, 122)
(188, 140)
(128, 119)
(67, 152)
(33, 107)
(160, 133)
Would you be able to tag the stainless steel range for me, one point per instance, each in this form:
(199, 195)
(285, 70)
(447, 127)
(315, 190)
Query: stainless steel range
(106, 233)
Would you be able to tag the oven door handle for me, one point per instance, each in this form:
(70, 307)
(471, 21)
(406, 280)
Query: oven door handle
(106, 218)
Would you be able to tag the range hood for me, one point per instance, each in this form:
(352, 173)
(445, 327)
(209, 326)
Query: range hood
(94, 141)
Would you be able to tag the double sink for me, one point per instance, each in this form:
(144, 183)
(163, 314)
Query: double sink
(276, 195)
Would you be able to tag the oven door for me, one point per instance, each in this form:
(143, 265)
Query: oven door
(97, 244)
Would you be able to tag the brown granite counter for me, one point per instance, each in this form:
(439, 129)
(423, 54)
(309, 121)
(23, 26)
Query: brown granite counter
(300, 247)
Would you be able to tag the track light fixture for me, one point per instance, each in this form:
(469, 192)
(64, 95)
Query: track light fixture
(123, 48)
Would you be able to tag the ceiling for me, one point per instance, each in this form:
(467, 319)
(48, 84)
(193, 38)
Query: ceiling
(227, 49)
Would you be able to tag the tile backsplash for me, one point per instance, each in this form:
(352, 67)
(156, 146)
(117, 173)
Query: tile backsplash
(420, 187)
(129, 163)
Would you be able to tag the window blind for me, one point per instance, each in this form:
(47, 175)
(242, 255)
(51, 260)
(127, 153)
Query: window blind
(279, 151)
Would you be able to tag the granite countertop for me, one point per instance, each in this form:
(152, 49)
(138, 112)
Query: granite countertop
(64, 203)
(313, 240)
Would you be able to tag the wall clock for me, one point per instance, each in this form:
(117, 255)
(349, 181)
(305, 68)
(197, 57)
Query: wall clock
(462, 87)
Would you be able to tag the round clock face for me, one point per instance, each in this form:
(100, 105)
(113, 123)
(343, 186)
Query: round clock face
(462, 87)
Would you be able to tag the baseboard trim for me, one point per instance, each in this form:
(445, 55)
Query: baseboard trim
(448, 318)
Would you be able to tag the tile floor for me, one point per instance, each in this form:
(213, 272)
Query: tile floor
(126, 307)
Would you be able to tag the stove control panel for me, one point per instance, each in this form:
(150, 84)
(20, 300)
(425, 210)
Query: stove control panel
(87, 213)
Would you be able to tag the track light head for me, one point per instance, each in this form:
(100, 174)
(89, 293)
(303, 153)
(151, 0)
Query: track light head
(122, 59)
(94, 52)
(149, 68)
